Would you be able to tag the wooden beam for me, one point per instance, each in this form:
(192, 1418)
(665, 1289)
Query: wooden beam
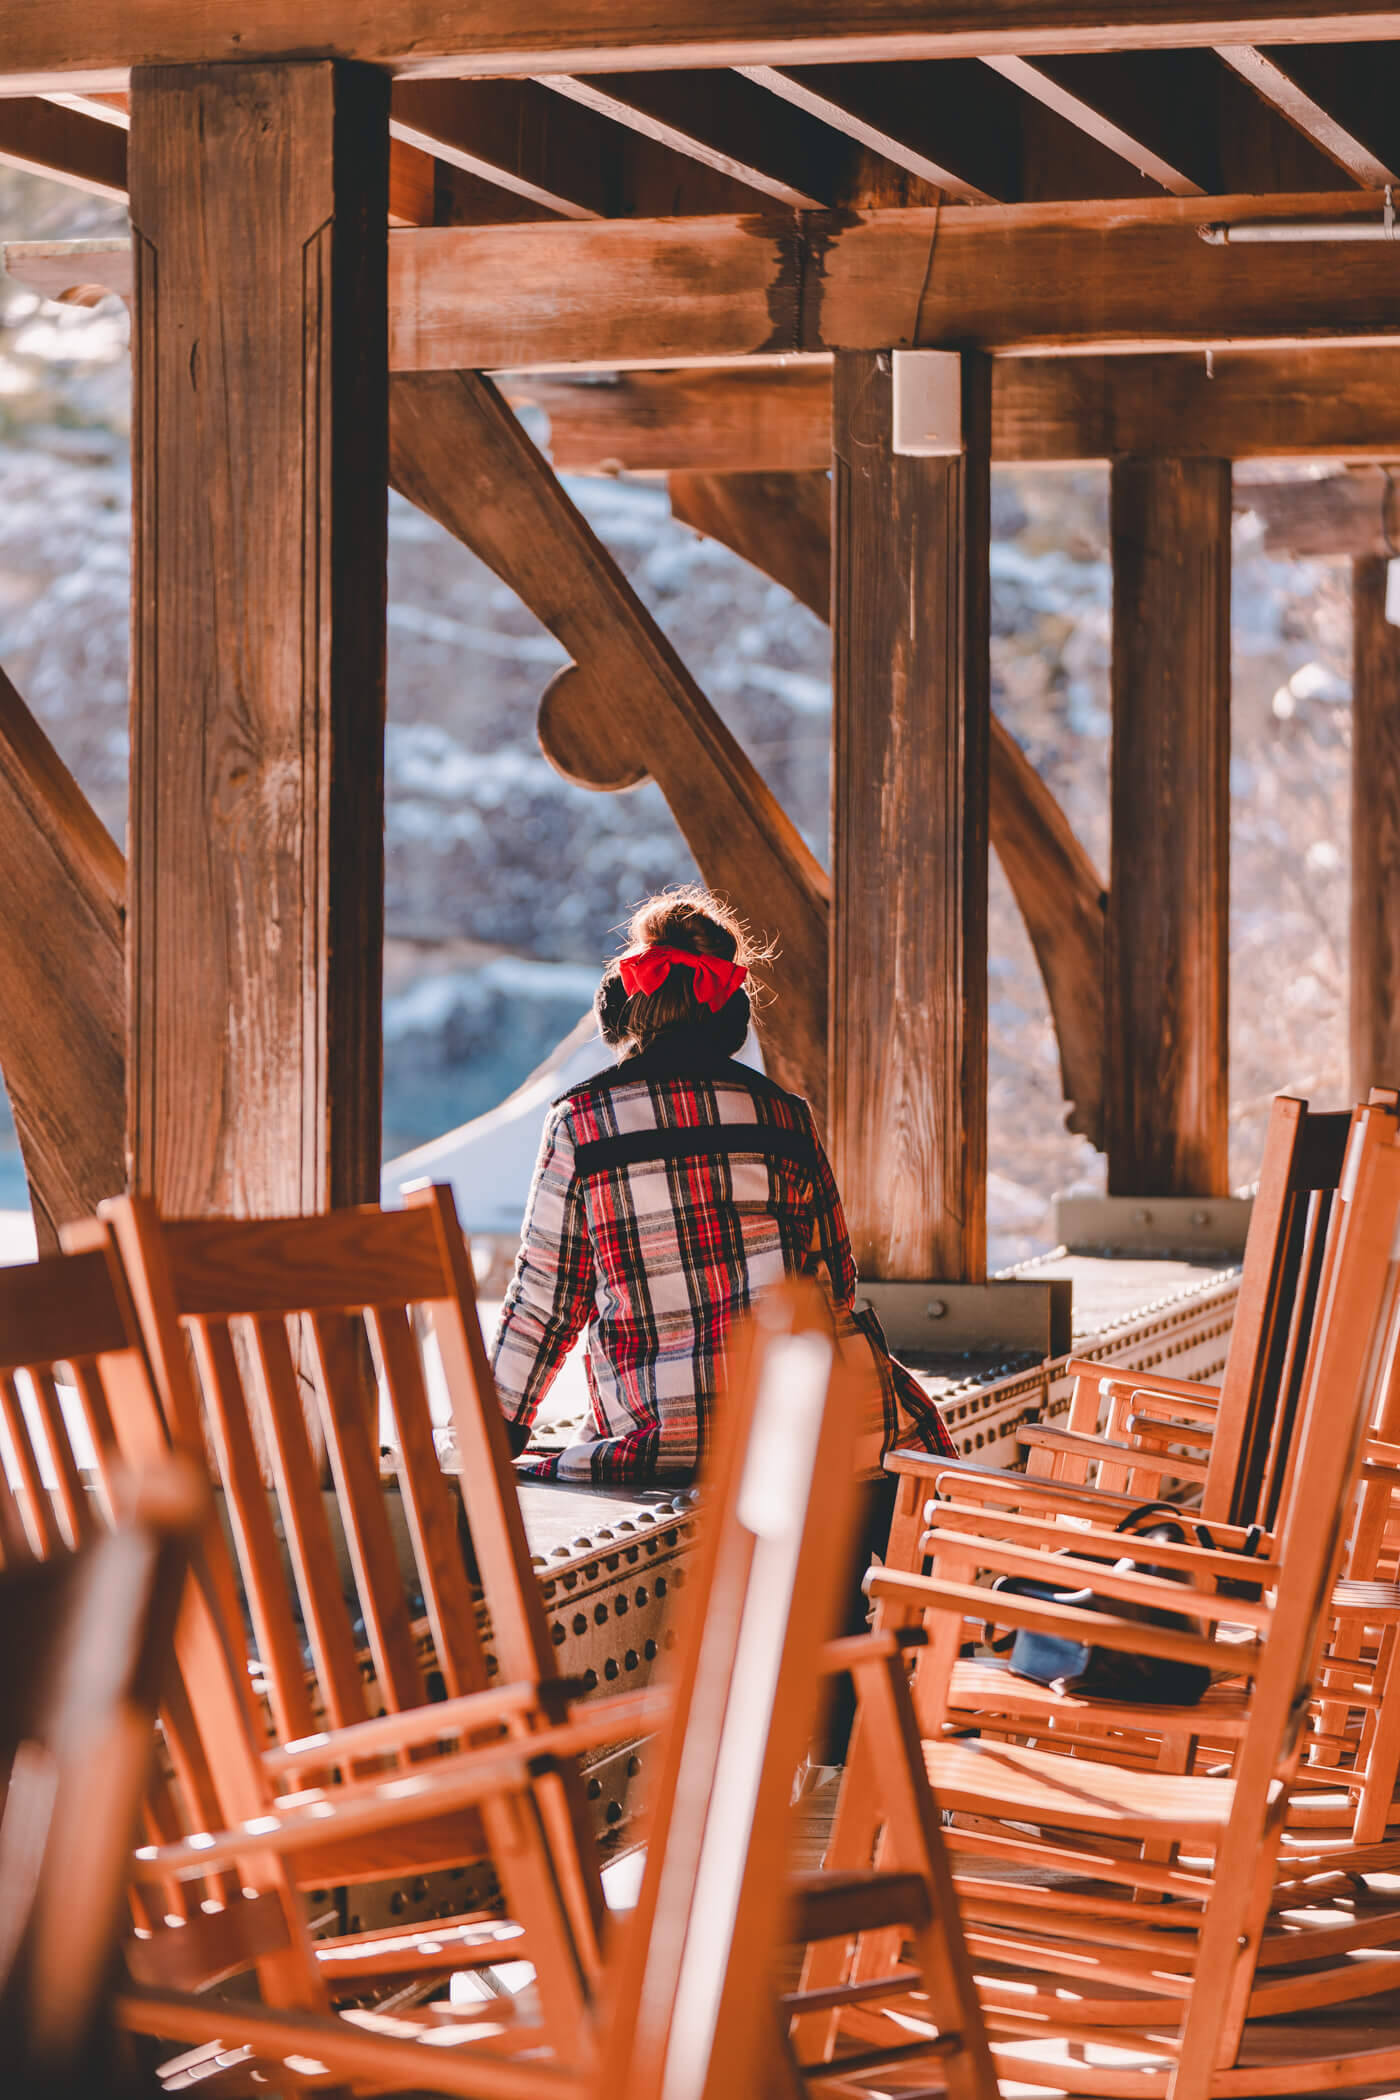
(1168, 913)
(732, 419)
(1346, 514)
(62, 978)
(782, 524)
(726, 122)
(1321, 403)
(1029, 277)
(1375, 834)
(626, 709)
(259, 203)
(45, 138)
(1342, 101)
(952, 125)
(910, 725)
(92, 43)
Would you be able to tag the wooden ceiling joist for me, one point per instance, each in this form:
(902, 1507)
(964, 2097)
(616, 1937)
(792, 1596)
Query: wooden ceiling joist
(47, 138)
(48, 44)
(952, 125)
(508, 132)
(1120, 99)
(1323, 403)
(722, 120)
(1343, 100)
(1030, 277)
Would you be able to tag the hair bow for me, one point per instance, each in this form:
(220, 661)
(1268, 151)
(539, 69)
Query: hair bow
(716, 981)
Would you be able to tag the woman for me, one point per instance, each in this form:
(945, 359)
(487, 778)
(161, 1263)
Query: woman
(668, 1193)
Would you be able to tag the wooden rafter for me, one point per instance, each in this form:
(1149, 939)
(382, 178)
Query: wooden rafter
(511, 133)
(1179, 117)
(1116, 100)
(722, 120)
(952, 125)
(53, 43)
(1343, 101)
(45, 138)
(62, 978)
(1030, 277)
(782, 524)
(626, 709)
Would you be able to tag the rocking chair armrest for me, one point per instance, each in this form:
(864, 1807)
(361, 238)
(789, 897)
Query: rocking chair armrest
(1069, 1570)
(1013, 1528)
(1173, 1407)
(1139, 1381)
(413, 1794)
(496, 1705)
(1163, 1431)
(1099, 1629)
(994, 1484)
(1098, 1447)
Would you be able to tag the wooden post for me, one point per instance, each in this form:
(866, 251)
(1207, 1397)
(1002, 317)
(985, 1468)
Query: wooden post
(1375, 836)
(910, 730)
(1167, 1072)
(259, 199)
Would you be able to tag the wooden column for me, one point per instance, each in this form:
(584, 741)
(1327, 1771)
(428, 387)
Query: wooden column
(1375, 836)
(908, 1115)
(259, 200)
(1167, 1067)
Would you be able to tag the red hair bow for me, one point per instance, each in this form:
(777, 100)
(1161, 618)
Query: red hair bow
(716, 981)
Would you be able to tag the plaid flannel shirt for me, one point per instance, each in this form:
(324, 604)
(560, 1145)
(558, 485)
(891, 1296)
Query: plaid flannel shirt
(665, 1198)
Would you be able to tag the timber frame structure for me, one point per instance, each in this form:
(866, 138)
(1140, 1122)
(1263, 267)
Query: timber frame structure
(364, 234)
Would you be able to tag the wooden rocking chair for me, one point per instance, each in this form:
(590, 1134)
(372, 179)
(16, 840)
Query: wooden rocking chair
(85, 1651)
(1056, 1852)
(1161, 1434)
(691, 2002)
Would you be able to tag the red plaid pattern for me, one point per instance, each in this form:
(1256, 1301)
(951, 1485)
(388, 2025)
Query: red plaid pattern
(664, 1201)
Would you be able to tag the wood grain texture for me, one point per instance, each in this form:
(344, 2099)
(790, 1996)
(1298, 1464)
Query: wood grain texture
(1343, 102)
(910, 734)
(1354, 513)
(1333, 403)
(44, 138)
(1132, 274)
(63, 1005)
(627, 708)
(1375, 834)
(782, 523)
(55, 43)
(259, 202)
(1169, 877)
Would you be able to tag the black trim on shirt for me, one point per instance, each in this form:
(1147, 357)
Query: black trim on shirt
(703, 1141)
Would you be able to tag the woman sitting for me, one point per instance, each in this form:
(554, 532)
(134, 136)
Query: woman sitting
(669, 1192)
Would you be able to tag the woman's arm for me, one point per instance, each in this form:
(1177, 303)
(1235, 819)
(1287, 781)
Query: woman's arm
(551, 1291)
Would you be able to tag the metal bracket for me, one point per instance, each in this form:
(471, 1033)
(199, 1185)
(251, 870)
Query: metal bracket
(1209, 1225)
(1001, 1318)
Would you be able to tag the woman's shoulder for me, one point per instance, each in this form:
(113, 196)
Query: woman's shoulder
(651, 1076)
